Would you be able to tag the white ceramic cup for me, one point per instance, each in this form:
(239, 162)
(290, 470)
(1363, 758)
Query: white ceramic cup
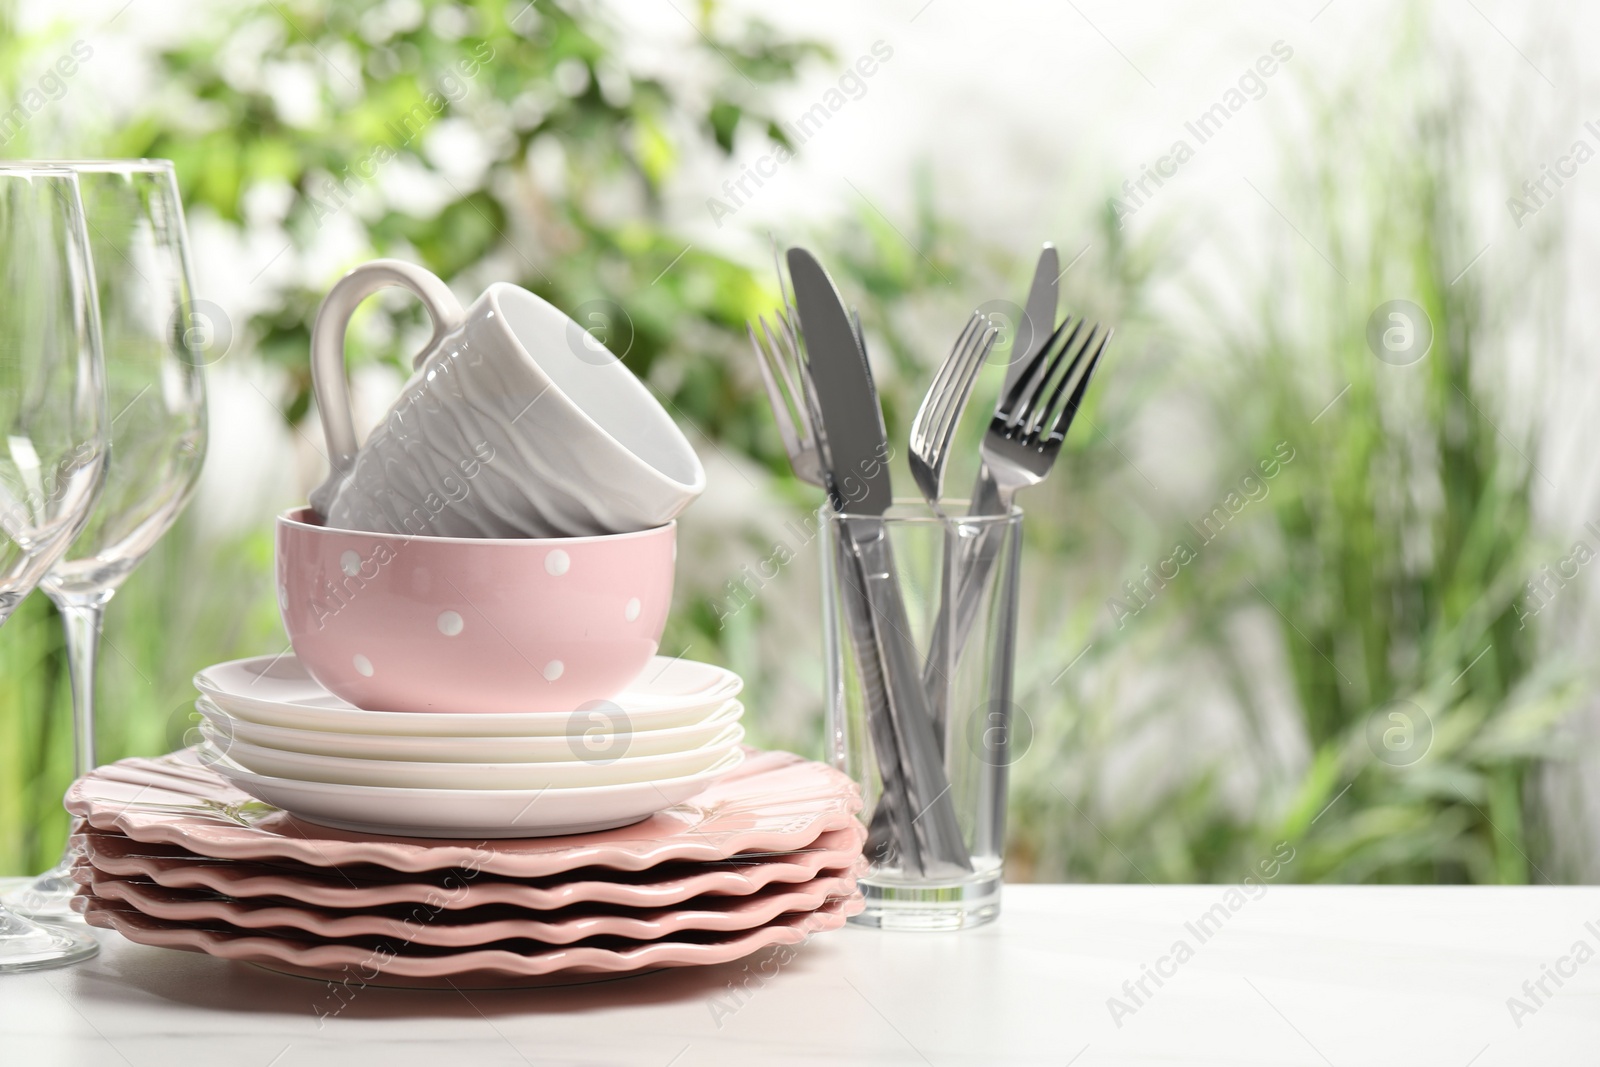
(516, 423)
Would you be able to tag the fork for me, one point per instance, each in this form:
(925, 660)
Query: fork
(788, 385)
(1021, 445)
(931, 433)
(940, 413)
(1027, 430)
(1024, 438)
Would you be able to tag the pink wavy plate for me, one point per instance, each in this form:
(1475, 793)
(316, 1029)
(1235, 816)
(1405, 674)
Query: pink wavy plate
(354, 887)
(774, 801)
(365, 963)
(421, 925)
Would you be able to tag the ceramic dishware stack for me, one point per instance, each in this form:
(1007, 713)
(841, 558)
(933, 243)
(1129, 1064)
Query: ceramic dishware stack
(173, 855)
(476, 595)
(270, 729)
(472, 766)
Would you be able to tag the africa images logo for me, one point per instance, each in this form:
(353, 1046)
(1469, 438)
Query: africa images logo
(851, 85)
(1251, 85)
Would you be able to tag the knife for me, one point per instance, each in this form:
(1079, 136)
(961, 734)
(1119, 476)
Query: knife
(857, 445)
(855, 462)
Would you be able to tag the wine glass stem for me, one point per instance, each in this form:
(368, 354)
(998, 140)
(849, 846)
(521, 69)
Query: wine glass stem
(81, 620)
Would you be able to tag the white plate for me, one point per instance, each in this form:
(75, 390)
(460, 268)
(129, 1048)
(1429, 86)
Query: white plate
(277, 691)
(469, 813)
(563, 774)
(595, 742)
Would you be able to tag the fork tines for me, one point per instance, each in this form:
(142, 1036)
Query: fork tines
(1032, 412)
(936, 420)
(786, 378)
(776, 351)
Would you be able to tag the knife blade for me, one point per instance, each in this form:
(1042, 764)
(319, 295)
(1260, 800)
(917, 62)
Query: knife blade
(1039, 313)
(857, 445)
(856, 465)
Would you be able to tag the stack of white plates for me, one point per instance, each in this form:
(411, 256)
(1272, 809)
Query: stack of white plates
(277, 734)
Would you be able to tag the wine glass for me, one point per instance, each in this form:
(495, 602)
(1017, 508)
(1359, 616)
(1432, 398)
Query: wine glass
(155, 392)
(53, 424)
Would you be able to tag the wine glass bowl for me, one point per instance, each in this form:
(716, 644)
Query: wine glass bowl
(53, 429)
(52, 399)
(155, 388)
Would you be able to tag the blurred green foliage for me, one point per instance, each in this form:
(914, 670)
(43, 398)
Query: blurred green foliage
(524, 78)
(581, 229)
(1381, 566)
(1361, 562)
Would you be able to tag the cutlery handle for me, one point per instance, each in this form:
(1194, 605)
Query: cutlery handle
(958, 612)
(932, 814)
(892, 839)
(987, 497)
(990, 828)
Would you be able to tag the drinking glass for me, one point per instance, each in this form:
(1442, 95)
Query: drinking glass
(53, 424)
(981, 733)
(155, 391)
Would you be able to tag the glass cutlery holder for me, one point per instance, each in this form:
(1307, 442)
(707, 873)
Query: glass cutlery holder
(956, 578)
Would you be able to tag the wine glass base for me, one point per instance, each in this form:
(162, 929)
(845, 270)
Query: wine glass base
(31, 946)
(48, 898)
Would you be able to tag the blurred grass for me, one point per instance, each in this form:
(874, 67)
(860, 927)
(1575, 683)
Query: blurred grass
(1402, 535)
(191, 604)
(1376, 574)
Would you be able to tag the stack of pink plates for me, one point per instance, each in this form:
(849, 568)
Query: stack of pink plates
(174, 855)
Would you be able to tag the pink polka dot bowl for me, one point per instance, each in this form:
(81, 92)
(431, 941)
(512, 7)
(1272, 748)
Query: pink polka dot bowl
(394, 622)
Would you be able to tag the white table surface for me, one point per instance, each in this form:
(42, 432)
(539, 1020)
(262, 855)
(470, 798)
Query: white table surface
(1310, 975)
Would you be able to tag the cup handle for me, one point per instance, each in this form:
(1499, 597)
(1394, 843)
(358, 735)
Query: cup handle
(328, 382)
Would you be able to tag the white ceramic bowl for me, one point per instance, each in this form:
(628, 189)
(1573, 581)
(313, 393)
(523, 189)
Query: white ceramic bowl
(594, 741)
(567, 774)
